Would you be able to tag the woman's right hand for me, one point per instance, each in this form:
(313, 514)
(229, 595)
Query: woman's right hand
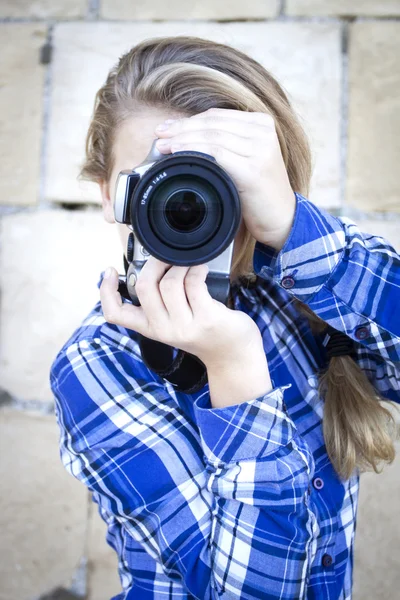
(177, 309)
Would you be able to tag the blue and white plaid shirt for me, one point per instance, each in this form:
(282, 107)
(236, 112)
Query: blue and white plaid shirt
(239, 502)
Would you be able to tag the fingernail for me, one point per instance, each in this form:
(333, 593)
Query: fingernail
(166, 124)
(162, 127)
(108, 273)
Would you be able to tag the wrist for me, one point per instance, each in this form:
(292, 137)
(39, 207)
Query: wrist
(278, 238)
(236, 357)
(236, 381)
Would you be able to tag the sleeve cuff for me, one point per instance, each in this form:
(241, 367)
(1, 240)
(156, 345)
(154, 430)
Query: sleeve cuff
(310, 255)
(252, 429)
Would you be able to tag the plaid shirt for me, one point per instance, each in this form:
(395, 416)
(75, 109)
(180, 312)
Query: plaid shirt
(239, 502)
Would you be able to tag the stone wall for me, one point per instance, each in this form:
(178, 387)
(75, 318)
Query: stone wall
(339, 63)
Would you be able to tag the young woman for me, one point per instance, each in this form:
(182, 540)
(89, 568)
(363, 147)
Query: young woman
(247, 488)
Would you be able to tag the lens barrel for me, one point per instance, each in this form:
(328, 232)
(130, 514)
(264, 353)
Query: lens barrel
(185, 210)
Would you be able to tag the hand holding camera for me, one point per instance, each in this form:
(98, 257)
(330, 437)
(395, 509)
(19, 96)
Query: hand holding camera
(184, 210)
(177, 309)
(246, 145)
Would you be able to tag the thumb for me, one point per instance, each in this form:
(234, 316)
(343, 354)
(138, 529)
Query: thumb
(110, 273)
(110, 297)
(115, 310)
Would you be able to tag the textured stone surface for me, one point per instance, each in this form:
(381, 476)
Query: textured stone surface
(41, 9)
(103, 579)
(179, 9)
(60, 594)
(21, 90)
(42, 508)
(50, 264)
(374, 124)
(343, 7)
(376, 565)
(294, 52)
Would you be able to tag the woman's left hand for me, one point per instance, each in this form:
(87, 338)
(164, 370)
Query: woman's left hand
(246, 145)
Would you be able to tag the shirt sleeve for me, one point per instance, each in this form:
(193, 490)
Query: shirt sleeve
(223, 507)
(350, 279)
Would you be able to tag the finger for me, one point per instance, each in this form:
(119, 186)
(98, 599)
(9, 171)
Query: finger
(241, 127)
(232, 162)
(197, 292)
(243, 147)
(148, 291)
(238, 115)
(117, 312)
(173, 293)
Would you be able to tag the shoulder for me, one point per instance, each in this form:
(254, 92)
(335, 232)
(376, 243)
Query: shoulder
(98, 362)
(93, 327)
(94, 333)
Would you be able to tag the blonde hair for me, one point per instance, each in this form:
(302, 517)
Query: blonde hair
(189, 75)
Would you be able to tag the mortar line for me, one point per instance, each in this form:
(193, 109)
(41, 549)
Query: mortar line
(344, 117)
(46, 106)
(93, 14)
(93, 10)
(39, 407)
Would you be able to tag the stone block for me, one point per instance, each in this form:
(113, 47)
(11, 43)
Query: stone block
(179, 9)
(304, 57)
(374, 122)
(103, 579)
(311, 8)
(42, 9)
(51, 262)
(21, 92)
(376, 562)
(42, 508)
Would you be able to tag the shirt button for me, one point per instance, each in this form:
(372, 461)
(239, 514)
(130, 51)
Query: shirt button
(362, 333)
(318, 483)
(327, 560)
(287, 282)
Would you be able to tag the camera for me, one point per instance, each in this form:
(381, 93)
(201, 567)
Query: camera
(183, 209)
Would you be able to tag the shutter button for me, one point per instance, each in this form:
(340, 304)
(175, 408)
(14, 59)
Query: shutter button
(288, 282)
(362, 333)
(318, 483)
(327, 560)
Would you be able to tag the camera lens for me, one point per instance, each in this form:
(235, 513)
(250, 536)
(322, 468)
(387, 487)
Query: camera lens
(185, 210)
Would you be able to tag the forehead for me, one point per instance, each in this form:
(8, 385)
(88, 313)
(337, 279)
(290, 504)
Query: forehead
(135, 136)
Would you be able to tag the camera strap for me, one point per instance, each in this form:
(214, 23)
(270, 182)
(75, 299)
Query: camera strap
(186, 372)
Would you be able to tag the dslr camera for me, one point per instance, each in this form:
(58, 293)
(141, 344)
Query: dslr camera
(183, 209)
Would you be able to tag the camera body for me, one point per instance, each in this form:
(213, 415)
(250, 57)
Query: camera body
(183, 209)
